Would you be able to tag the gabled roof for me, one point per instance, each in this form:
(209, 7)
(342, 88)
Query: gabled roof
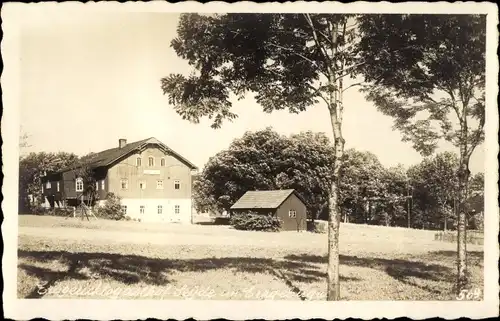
(264, 199)
(109, 156)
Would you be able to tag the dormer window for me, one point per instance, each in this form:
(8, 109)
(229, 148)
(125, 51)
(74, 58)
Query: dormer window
(138, 162)
(151, 161)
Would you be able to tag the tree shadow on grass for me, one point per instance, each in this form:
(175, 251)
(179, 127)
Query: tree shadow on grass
(404, 271)
(132, 269)
(49, 278)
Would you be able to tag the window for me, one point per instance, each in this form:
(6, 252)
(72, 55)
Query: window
(142, 185)
(160, 209)
(79, 184)
(124, 209)
(102, 185)
(177, 209)
(138, 161)
(58, 187)
(142, 209)
(42, 188)
(159, 184)
(177, 184)
(151, 161)
(48, 185)
(124, 183)
(96, 186)
(162, 162)
(292, 214)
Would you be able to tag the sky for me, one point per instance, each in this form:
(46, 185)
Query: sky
(89, 79)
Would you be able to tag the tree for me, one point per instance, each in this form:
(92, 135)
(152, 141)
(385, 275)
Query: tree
(361, 178)
(248, 164)
(397, 198)
(290, 61)
(32, 168)
(476, 201)
(305, 166)
(476, 184)
(428, 72)
(435, 184)
(87, 175)
(264, 160)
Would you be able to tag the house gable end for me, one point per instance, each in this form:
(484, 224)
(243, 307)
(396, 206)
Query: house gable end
(155, 144)
(296, 195)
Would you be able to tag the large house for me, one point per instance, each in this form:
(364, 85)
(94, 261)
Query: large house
(285, 204)
(153, 181)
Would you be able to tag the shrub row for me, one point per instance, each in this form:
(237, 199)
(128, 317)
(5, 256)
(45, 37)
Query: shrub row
(111, 209)
(472, 238)
(255, 222)
(58, 211)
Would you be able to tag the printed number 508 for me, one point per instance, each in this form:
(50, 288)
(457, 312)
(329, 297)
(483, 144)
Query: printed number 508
(474, 294)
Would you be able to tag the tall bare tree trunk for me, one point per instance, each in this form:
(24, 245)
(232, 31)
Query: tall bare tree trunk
(463, 177)
(445, 227)
(333, 291)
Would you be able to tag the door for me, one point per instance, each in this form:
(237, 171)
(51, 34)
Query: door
(161, 213)
(176, 213)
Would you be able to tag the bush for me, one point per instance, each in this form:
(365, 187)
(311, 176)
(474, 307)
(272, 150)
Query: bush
(67, 211)
(38, 210)
(476, 221)
(54, 211)
(255, 222)
(112, 208)
(318, 226)
(222, 221)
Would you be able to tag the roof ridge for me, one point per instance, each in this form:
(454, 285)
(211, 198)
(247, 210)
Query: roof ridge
(272, 190)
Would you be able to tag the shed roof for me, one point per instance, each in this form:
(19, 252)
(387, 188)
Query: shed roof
(264, 199)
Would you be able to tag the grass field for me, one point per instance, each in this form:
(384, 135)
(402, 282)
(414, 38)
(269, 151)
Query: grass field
(70, 258)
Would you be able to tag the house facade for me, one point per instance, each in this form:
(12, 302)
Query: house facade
(287, 205)
(153, 182)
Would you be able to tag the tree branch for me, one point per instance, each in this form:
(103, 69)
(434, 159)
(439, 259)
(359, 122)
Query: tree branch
(318, 44)
(477, 137)
(353, 85)
(318, 92)
(324, 36)
(347, 70)
(342, 65)
(449, 91)
(296, 53)
(351, 26)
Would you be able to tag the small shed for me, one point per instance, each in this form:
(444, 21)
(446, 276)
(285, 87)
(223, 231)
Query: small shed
(286, 204)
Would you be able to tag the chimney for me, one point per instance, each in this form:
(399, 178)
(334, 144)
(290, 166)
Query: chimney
(122, 142)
